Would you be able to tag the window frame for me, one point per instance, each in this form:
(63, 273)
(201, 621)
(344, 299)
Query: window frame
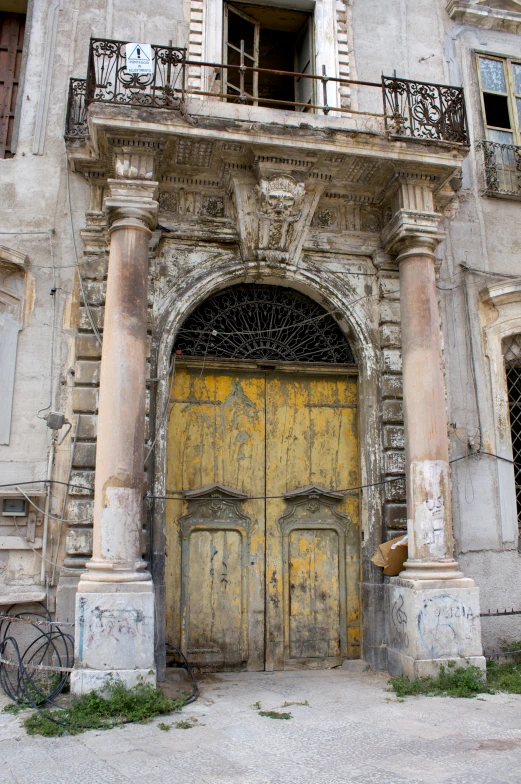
(511, 95)
(307, 30)
(505, 296)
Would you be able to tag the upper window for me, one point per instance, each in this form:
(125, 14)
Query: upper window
(12, 27)
(500, 82)
(273, 38)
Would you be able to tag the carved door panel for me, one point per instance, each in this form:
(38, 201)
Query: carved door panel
(215, 535)
(312, 539)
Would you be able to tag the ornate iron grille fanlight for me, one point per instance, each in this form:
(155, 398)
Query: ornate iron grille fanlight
(261, 322)
(512, 355)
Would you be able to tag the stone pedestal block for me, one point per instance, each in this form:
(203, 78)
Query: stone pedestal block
(114, 635)
(433, 622)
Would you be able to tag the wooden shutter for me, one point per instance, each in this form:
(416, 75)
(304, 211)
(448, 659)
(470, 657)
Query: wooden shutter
(12, 28)
(304, 88)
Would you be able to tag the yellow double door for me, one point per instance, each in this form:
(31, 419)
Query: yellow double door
(262, 551)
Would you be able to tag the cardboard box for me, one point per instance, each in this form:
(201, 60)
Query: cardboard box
(391, 555)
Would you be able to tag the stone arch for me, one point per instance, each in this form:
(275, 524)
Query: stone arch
(325, 288)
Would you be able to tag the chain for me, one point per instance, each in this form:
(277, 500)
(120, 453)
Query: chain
(35, 623)
(9, 663)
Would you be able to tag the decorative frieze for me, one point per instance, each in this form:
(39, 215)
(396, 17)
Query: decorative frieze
(189, 203)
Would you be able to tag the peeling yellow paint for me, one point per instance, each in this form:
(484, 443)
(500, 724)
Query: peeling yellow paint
(263, 434)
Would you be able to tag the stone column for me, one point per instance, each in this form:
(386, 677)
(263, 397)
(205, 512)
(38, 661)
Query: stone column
(434, 609)
(115, 599)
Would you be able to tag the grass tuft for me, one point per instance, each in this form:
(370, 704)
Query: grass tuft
(275, 715)
(185, 724)
(94, 711)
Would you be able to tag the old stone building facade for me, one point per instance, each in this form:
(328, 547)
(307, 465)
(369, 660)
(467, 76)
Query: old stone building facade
(272, 298)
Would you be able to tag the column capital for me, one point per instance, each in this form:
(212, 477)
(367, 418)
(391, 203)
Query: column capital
(414, 232)
(411, 219)
(132, 203)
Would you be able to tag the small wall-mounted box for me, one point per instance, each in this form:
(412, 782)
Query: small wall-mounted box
(14, 507)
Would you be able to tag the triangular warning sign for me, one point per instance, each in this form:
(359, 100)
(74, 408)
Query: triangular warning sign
(139, 58)
(139, 54)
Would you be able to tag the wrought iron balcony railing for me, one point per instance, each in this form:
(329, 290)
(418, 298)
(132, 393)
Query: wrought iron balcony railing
(502, 169)
(414, 110)
(76, 120)
(109, 80)
(425, 111)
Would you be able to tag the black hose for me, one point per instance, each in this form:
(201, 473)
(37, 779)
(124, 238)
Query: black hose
(195, 688)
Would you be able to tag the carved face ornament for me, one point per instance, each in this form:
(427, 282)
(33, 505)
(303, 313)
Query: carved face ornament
(281, 195)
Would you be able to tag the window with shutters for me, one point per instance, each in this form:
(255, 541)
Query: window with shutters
(273, 38)
(12, 28)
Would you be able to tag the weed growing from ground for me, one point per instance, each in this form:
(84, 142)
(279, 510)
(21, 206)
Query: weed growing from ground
(164, 727)
(452, 682)
(465, 681)
(93, 711)
(256, 706)
(505, 676)
(15, 707)
(275, 715)
(289, 704)
(187, 724)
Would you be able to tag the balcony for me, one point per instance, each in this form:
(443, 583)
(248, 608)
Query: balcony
(501, 169)
(409, 109)
(239, 164)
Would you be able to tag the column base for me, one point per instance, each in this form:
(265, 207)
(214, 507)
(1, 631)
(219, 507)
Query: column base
(114, 635)
(433, 622)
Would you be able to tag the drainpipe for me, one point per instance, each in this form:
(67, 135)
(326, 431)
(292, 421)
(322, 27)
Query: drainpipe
(43, 576)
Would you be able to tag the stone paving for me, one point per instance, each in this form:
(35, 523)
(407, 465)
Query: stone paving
(352, 731)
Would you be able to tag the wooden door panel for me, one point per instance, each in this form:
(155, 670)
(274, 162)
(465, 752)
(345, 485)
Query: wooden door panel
(215, 619)
(311, 440)
(314, 594)
(215, 577)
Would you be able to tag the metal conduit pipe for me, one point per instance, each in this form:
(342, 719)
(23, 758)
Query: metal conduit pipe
(43, 575)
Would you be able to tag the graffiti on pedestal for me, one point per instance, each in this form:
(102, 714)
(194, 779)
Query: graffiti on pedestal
(115, 624)
(399, 636)
(445, 625)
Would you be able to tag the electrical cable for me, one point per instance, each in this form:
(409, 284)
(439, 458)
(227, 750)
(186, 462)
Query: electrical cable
(195, 688)
(181, 494)
(46, 482)
(53, 517)
(23, 686)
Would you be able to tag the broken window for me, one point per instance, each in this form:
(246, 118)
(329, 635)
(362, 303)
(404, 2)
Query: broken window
(12, 27)
(276, 39)
(512, 355)
(500, 81)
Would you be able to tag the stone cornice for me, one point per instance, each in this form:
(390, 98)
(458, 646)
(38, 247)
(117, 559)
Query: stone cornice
(497, 14)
